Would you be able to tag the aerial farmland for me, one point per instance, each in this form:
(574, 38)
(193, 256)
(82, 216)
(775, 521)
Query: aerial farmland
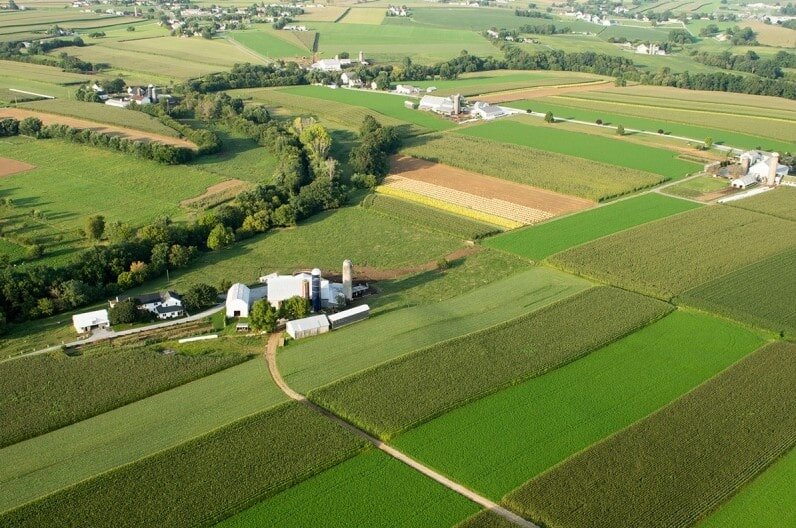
(423, 265)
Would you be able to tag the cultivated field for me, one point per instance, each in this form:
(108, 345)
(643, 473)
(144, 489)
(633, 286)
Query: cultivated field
(530, 166)
(270, 43)
(477, 83)
(396, 396)
(667, 258)
(379, 491)
(497, 443)
(183, 485)
(690, 455)
(596, 148)
(327, 13)
(365, 15)
(702, 188)
(544, 91)
(540, 242)
(779, 203)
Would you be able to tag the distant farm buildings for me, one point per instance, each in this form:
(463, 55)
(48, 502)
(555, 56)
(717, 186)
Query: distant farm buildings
(487, 111)
(441, 105)
(337, 64)
(88, 321)
(651, 49)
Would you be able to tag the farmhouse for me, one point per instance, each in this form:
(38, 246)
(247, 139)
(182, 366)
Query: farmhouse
(351, 80)
(238, 300)
(307, 327)
(487, 111)
(441, 105)
(88, 321)
(406, 89)
(652, 49)
(166, 305)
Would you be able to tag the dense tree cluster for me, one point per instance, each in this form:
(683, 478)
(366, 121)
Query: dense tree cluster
(750, 62)
(531, 13)
(369, 159)
(250, 76)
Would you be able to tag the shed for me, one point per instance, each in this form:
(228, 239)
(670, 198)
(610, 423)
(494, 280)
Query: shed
(744, 181)
(307, 327)
(238, 300)
(352, 315)
(86, 322)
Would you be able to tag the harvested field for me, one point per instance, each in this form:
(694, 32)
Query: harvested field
(216, 194)
(546, 91)
(10, 166)
(129, 133)
(487, 186)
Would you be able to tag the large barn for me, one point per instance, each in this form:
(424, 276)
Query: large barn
(238, 300)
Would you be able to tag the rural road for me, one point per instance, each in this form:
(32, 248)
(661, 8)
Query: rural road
(270, 356)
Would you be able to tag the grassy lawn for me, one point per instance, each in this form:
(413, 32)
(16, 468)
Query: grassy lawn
(265, 42)
(371, 489)
(696, 187)
(50, 462)
(672, 256)
(613, 151)
(539, 242)
(316, 362)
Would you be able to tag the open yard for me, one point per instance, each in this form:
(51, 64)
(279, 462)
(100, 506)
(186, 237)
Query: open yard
(690, 455)
(563, 174)
(672, 256)
(541, 241)
(499, 442)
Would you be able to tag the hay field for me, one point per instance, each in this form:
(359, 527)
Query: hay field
(772, 34)
(364, 15)
(268, 43)
(327, 13)
(477, 83)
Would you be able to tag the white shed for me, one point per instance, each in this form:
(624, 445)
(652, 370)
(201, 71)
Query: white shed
(238, 300)
(307, 327)
(86, 322)
(744, 181)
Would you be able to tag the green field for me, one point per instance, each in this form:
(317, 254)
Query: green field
(667, 258)
(398, 395)
(386, 104)
(322, 360)
(558, 105)
(371, 489)
(766, 501)
(690, 455)
(759, 294)
(477, 83)
(539, 168)
(47, 463)
(482, 19)
(101, 379)
(778, 203)
(204, 480)
(267, 43)
(43, 80)
(240, 158)
(694, 188)
(539, 242)
(497, 443)
(596, 148)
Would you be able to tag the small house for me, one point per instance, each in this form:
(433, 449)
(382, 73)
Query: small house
(86, 322)
(487, 111)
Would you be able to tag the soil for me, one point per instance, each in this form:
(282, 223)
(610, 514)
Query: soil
(365, 273)
(213, 190)
(486, 186)
(543, 91)
(9, 166)
(139, 135)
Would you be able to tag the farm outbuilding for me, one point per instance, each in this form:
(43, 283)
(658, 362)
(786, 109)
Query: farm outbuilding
(238, 300)
(744, 181)
(307, 327)
(86, 322)
(352, 315)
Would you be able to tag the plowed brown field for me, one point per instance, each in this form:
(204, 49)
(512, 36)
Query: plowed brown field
(9, 166)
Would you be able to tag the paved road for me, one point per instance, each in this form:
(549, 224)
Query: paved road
(270, 356)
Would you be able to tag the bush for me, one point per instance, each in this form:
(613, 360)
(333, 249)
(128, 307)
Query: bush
(620, 130)
(549, 118)
(599, 122)
(9, 127)
(125, 312)
(30, 126)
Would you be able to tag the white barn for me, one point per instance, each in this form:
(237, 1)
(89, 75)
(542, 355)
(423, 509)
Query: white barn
(307, 327)
(744, 181)
(86, 322)
(487, 111)
(238, 300)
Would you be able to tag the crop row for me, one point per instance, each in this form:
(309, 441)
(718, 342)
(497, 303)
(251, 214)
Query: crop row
(71, 389)
(203, 481)
(428, 217)
(679, 463)
(490, 206)
(395, 396)
(777, 203)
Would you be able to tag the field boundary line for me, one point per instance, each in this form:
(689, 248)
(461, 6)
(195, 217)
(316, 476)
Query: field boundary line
(270, 356)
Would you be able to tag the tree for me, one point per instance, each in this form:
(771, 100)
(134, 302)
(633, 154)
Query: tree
(620, 130)
(30, 126)
(220, 237)
(34, 251)
(263, 316)
(199, 296)
(599, 122)
(548, 118)
(95, 227)
(295, 308)
(2, 322)
(119, 232)
(708, 142)
(317, 141)
(180, 256)
(125, 312)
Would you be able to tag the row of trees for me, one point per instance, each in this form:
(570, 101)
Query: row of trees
(750, 62)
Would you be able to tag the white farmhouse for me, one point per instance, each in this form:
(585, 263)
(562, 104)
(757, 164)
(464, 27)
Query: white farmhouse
(86, 322)
(351, 80)
(238, 300)
(406, 89)
(166, 305)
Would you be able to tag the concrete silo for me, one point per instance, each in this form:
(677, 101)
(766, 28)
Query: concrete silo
(348, 276)
(315, 290)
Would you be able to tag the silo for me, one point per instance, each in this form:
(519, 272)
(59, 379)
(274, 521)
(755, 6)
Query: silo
(744, 165)
(773, 163)
(348, 285)
(456, 104)
(316, 290)
(305, 289)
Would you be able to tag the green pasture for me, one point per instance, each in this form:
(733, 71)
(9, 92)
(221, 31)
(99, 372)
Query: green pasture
(50, 462)
(696, 187)
(316, 362)
(267, 43)
(387, 104)
(477, 83)
(634, 33)
(371, 489)
(539, 242)
(558, 106)
(240, 158)
(596, 148)
(497, 443)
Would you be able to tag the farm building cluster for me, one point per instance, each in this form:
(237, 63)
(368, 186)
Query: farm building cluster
(753, 167)
(453, 105)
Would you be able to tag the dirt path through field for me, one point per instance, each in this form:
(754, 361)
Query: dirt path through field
(542, 91)
(274, 341)
(376, 274)
(129, 133)
(10, 166)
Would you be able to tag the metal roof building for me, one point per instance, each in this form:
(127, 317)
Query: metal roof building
(85, 322)
(238, 300)
(307, 327)
(352, 315)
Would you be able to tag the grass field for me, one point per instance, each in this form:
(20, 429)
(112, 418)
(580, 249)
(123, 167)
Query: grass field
(383, 103)
(373, 15)
(265, 42)
(481, 19)
(100, 380)
(539, 242)
(322, 360)
(496, 444)
(540, 168)
(758, 294)
(766, 501)
(778, 203)
(697, 187)
(667, 258)
(102, 113)
(396, 396)
(371, 489)
(204, 480)
(240, 158)
(50, 462)
(690, 455)
(596, 148)
(558, 105)
(477, 83)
